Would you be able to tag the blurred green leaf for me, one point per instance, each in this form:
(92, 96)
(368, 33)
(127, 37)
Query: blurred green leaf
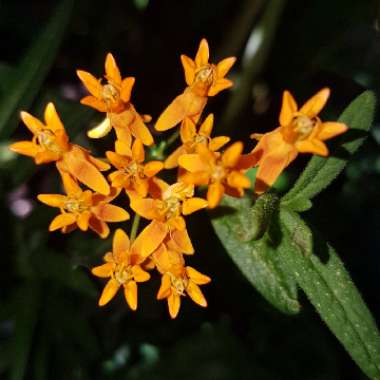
(33, 69)
(322, 276)
(320, 172)
(6, 76)
(257, 259)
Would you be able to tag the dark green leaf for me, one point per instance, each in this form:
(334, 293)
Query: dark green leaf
(320, 172)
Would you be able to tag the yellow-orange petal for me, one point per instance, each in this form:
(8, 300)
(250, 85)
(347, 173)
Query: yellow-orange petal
(52, 200)
(90, 82)
(120, 245)
(149, 239)
(174, 304)
(164, 290)
(312, 146)
(219, 85)
(202, 56)
(193, 204)
(83, 220)
(139, 274)
(33, 124)
(138, 152)
(214, 194)
(52, 119)
(130, 294)
(62, 220)
(101, 130)
(331, 129)
(86, 172)
(206, 127)
(193, 163)
(111, 69)
(103, 271)
(109, 292)
(315, 104)
(99, 227)
(288, 109)
(238, 180)
(182, 242)
(188, 68)
(117, 160)
(197, 277)
(152, 168)
(195, 293)
(94, 102)
(46, 156)
(224, 66)
(218, 142)
(99, 163)
(126, 89)
(187, 130)
(110, 213)
(231, 155)
(147, 208)
(123, 147)
(141, 131)
(70, 184)
(27, 148)
(172, 161)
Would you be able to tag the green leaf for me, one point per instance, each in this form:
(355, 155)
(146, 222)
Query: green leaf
(257, 259)
(322, 276)
(33, 69)
(320, 172)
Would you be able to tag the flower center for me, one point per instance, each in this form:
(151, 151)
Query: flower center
(47, 140)
(75, 205)
(179, 284)
(205, 75)
(303, 126)
(110, 94)
(172, 207)
(135, 170)
(218, 173)
(123, 273)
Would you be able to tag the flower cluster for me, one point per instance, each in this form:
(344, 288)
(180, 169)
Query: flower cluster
(200, 160)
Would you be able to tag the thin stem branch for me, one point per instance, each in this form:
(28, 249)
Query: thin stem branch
(135, 227)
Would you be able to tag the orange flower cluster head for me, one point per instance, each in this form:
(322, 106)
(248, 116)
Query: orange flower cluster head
(201, 160)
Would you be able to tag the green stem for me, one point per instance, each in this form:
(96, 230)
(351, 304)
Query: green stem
(135, 227)
(172, 139)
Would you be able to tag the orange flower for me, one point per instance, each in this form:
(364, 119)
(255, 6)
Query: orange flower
(191, 139)
(113, 98)
(50, 143)
(218, 171)
(300, 131)
(123, 267)
(177, 280)
(132, 174)
(166, 213)
(204, 79)
(83, 209)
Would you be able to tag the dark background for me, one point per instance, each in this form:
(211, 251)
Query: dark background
(50, 325)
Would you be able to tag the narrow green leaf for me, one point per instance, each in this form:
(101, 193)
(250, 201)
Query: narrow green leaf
(320, 172)
(322, 276)
(33, 69)
(257, 260)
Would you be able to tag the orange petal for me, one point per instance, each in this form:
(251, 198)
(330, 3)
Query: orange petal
(100, 130)
(149, 239)
(219, 85)
(214, 194)
(182, 241)
(91, 83)
(100, 227)
(197, 277)
(331, 129)
(117, 160)
(46, 156)
(120, 245)
(315, 104)
(110, 213)
(224, 66)
(218, 142)
(193, 204)
(195, 293)
(123, 147)
(174, 304)
(139, 274)
(312, 146)
(147, 208)
(95, 103)
(112, 71)
(138, 152)
(130, 294)
(62, 220)
(141, 186)
(141, 131)
(70, 184)
(85, 172)
(165, 287)
(126, 89)
(99, 163)
(238, 180)
(189, 69)
(109, 292)
(202, 56)
(33, 124)
(52, 200)
(232, 154)
(288, 109)
(27, 148)
(103, 271)
(193, 163)
(187, 130)
(152, 168)
(206, 127)
(52, 119)
(83, 220)
(172, 161)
